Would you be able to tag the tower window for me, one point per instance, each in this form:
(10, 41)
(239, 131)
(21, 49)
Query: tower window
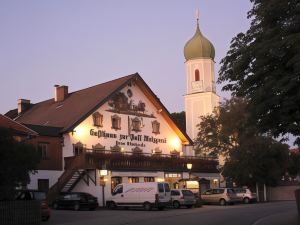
(197, 75)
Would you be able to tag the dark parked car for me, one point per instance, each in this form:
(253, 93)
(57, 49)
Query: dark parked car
(75, 201)
(35, 195)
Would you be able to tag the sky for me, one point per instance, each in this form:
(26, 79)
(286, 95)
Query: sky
(84, 43)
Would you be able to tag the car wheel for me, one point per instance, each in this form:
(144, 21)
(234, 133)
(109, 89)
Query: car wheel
(45, 218)
(176, 205)
(147, 206)
(189, 206)
(111, 205)
(55, 205)
(160, 208)
(76, 206)
(222, 202)
(246, 200)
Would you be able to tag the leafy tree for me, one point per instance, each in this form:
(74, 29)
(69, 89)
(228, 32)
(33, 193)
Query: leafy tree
(179, 119)
(17, 160)
(263, 66)
(294, 164)
(249, 156)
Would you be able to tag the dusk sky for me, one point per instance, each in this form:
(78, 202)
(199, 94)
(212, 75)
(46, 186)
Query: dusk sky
(84, 43)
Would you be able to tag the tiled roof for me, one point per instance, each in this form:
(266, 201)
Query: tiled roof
(59, 117)
(15, 126)
(75, 107)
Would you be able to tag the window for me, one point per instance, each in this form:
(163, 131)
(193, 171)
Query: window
(43, 150)
(137, 150)
(175, 193)
(116, 122)
(149, 179)
(173, 175)
(116, 149)
(187, 193)
(115, 181)
(98, 147)
(98, 119)
(43, 185)
(197, 75)
(136, 124)
(78, 148)
(155, 127)
(133, 179)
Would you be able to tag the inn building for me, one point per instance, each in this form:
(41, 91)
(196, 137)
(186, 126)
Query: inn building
(92, 139)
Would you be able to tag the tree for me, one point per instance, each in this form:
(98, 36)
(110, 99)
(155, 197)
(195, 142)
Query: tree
(249, 156)
(179, 119)
(294, 164)
(17, 160)
(263, 66)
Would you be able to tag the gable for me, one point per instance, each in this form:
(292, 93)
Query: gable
(131, 106)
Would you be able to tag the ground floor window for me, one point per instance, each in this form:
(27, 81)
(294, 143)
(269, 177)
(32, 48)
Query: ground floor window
(133, 179)
(149, 179)
(43, 185)
(115, 181)
(173, 179)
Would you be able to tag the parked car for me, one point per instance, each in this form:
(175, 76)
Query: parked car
(182, 197)
(75, 201)
(245, 195)
(35, 195)
(147, 195)
(222, 196)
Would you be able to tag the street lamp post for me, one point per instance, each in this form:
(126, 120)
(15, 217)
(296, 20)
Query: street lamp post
(189, 167)
(103, 173)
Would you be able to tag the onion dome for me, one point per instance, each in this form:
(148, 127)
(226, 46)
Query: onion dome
(199, 47)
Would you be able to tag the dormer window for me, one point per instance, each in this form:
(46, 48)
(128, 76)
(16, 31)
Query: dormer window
(116, 122)
(98, 119)
(155, 127)
(197, 75)
(136, 124)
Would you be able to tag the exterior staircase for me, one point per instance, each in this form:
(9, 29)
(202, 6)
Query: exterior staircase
(77, 175)
(74, 171)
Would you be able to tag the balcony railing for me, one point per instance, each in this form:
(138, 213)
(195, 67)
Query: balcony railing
(95, 159)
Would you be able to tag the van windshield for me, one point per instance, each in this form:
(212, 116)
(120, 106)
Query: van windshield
(167, 187)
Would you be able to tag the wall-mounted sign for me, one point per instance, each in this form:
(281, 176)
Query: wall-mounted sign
(127, 137)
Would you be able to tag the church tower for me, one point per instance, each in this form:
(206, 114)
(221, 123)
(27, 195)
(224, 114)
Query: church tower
(201, 97)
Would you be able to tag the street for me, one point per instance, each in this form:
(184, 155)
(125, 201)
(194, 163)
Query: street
(274, 213)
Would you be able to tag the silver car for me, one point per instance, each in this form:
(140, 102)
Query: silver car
(245, 195)
(222, 196)
(182, 197)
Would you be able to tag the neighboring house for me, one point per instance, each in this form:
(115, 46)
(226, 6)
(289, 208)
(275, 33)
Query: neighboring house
(119, 125)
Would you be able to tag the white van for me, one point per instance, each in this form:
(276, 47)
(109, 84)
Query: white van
(147, 195)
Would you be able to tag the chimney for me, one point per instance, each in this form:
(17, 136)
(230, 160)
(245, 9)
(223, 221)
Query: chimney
(23, 105)
(60, 93)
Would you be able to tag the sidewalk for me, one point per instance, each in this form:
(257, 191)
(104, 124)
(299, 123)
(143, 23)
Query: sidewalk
(286, 218)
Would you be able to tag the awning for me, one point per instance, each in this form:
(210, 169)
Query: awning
(209, 176)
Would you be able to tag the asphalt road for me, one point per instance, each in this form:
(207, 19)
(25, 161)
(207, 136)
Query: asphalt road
(275, 213)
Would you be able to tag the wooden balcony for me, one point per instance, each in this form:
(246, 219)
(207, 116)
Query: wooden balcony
(128, 161)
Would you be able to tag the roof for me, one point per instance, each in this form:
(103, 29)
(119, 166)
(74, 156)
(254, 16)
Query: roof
(15, 126)
(60, 117)
(45, 130)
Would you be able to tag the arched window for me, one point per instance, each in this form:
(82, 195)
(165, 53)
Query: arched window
(197, 75)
